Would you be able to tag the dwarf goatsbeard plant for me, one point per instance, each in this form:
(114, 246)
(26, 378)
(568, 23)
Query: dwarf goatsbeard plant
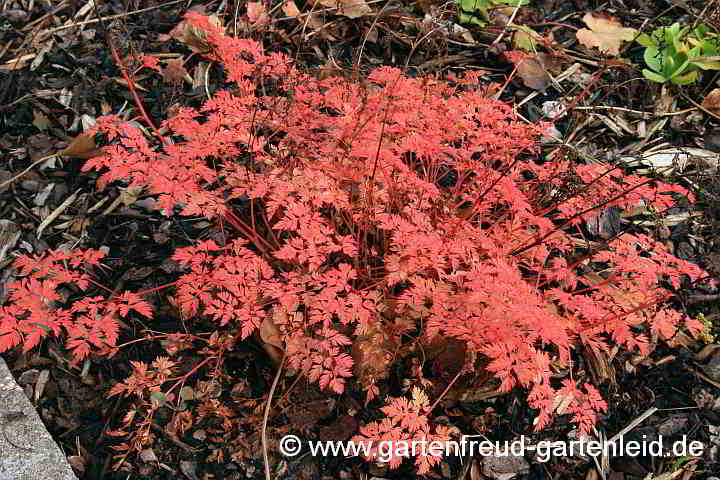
(392, 209)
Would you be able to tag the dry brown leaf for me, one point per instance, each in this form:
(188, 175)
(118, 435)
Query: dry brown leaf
(82, 146)
(372, 355)
(41, 121)
(312, 20)
(193, 38)
(257, 14)
(348, 8)
(627, 298)
(271, 337)
(290, 9)
(533, 74)
(129, 195)
(598, 363)
(175, 71)
(605, 32)
(270, 333)
(711, 101)
(706, 352)
(9, 236)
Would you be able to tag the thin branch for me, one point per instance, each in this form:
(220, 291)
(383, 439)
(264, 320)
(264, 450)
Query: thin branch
(266, 460)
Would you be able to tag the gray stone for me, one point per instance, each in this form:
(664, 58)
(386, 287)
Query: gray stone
(504, 464)
(27, 451)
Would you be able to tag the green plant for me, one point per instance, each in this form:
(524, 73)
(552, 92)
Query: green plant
(706, 334)
(677, 54)
(477, 11)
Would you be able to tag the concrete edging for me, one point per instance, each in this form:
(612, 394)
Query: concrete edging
(27, 451)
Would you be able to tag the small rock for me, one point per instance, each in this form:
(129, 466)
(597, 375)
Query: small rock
(504, 467)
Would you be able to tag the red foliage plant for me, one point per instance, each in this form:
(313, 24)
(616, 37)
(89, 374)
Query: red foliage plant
(410, 206)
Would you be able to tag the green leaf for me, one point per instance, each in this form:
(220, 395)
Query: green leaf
(465, 18)
(709, 49)
(707, 65)
(695, 52)
(679, 69)
(654, 77)
(685, 79)
(669, 33)
(472, 5)
(653, 58)
(701, 30)
(646, 40)
(524, 39)
(158, 398)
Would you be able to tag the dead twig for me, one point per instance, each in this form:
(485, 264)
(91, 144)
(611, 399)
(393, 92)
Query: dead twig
(21, 174)
(266, 415)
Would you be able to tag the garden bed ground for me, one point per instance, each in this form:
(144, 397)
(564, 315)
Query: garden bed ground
(57, 75)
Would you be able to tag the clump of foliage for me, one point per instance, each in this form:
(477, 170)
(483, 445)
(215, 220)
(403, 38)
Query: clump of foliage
(677, 54)
(478, 11)
(386, 212)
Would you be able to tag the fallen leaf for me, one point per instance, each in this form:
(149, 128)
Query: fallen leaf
(312, 20)
(290, 9)
(530, 69)
(175, 72)
(77, 462)
(9, 236)
(533, 74)
(82, 146)
(129, 195)
(712, 367)
(270, 333)
(348, 8)
(271, 337)
(669, 160)
(605, 32)
(257, 14)
(372, 355)
(525, 39)
(458, 32)
(630, 299)
(40, 120)
(193, 38)
(711, 101)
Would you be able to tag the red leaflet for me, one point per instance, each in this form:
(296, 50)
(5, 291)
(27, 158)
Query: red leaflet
(36, 310)
(411, 204)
